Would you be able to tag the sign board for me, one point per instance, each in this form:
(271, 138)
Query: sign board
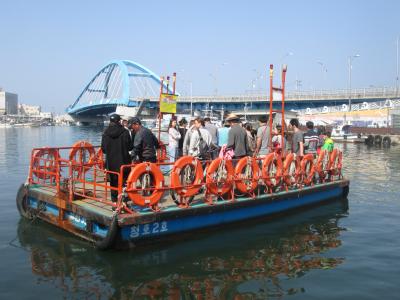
(168, 103)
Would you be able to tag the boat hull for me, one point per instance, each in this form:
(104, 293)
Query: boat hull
(147, 226)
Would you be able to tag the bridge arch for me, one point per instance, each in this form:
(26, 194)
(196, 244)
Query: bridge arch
(120, 82)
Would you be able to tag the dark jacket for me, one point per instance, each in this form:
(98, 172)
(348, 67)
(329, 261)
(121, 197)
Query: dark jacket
(237, 140)
(145, 145)
(116, 144)
(182, 131)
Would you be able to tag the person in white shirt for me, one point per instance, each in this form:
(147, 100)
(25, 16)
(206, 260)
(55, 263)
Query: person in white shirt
(173, 139)
(198, 132)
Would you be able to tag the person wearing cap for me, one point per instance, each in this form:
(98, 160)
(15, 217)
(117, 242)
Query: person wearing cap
(116, 144)
(237, 137)
(145, 142)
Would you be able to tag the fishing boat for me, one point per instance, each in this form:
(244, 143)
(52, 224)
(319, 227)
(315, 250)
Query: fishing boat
(68, 187)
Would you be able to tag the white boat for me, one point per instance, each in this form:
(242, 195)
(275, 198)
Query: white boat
(342, 133)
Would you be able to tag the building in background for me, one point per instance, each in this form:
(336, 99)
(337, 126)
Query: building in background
(8, 103)
(29, 110)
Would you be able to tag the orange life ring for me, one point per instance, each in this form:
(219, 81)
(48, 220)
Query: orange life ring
(45, 161)
(217, 184)
(322, 165)
(335, 162)
(245, 183)
(290, 174)
(154, 182)
(162, 155)
(81, 154)
(181, 188)
(307, 174)
(272, 170)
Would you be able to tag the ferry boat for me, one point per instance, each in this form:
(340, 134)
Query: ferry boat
(68, 187)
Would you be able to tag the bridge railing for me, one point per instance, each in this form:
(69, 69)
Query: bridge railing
(354, 107)
(340, 94)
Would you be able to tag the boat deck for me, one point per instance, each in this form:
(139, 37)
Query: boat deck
(103, 212)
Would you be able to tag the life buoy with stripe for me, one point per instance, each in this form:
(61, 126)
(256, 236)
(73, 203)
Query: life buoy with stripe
(81, 154)
(272, 169)
(186, 176)
(322, 165)
(145, 184)
(220, 176)
(307, 169)
(44, 162)
(335, 162)
(162, 155)
(247, 173)
(291, 169)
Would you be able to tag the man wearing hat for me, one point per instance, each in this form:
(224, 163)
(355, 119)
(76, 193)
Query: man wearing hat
(237, 137)
(116, 144)
(145, 142)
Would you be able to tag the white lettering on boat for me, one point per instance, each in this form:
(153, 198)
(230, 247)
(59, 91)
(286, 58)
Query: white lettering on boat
(146, 229)
(77, 219)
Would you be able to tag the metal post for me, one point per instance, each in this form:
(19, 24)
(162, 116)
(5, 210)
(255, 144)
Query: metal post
(191, 99)
(271, 75)
(350, 60)
(349, 83)
(397, 68)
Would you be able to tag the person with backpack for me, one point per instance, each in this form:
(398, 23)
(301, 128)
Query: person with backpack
(200, 141)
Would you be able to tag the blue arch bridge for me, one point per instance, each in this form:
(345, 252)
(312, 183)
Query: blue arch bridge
(128, 87)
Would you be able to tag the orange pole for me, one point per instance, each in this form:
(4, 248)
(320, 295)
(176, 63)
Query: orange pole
(160, 114)
(271, 76)
(173, 83)
(283, 105)
(167, 84)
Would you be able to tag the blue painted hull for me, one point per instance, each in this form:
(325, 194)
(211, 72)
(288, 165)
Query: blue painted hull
(234, 213)
(154, 226)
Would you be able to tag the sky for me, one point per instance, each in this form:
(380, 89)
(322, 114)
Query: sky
(50, 50)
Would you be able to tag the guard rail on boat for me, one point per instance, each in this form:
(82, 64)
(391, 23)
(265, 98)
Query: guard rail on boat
(79, 172)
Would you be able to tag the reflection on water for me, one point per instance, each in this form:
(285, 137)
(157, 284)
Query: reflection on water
(321, 254)
(241, 263)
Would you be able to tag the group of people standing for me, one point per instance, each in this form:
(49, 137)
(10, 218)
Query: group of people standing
(127, 141)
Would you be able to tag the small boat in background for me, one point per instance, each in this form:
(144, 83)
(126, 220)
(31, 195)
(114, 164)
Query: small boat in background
(342, 133)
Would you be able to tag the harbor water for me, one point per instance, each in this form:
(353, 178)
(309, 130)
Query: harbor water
(344, 250)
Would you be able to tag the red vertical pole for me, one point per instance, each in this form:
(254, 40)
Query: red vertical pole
(173, 83)
(283, 106)
(159, 112)
(167, 84)
(271, 76)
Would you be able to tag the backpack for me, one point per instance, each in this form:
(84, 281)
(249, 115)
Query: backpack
(204, 149)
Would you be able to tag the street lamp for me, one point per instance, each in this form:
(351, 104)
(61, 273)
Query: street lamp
(215, 76)
(324, 70)
(350, 61)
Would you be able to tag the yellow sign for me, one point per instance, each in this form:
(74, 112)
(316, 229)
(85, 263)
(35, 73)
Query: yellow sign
(168, 103)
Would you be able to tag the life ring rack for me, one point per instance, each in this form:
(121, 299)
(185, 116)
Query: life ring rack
(272, 170)
(247, 183)
(307, 169)
(219, 181)
(81, 156)
(179, 181)
(152, 186)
